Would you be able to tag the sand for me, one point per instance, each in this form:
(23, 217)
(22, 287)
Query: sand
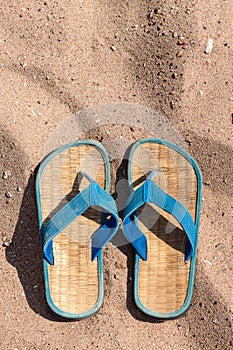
(58, 58)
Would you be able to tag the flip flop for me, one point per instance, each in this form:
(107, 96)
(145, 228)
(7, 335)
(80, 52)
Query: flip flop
(161, 220)
(77, 218)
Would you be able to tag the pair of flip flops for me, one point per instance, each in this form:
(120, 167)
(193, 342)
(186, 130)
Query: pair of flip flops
(78, 217)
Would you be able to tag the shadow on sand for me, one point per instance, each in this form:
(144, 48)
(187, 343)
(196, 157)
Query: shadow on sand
(25, 255)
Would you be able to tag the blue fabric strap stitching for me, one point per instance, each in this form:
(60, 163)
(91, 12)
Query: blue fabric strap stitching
(90, 196)
(177, 210)
(64, 216)
(149, 192)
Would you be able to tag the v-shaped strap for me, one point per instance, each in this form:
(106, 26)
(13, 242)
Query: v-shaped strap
(93, 195)
(149, 192)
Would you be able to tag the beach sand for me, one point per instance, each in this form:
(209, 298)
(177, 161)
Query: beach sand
(58, 58)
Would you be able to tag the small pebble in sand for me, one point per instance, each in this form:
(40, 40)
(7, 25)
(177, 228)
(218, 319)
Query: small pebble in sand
(113, 48)
(6, 174)
(19, 189)
(8, 195)
(23, 65)
(201, 93)
(208, 183)
(6, 242)
(174, 75)
(150, 15)
(208, 262)
(209, 46)
(181, 42)
(179, 53)
(172, 105)
(157, 11)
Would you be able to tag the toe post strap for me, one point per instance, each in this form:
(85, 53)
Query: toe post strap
(149, 192)
(91, 196)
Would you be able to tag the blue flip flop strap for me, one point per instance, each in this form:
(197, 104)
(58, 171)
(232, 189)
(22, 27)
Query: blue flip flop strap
(93, 195)
(149, 192)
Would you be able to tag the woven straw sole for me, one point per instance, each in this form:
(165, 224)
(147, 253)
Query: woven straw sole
(163, 278)
(73, 280)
